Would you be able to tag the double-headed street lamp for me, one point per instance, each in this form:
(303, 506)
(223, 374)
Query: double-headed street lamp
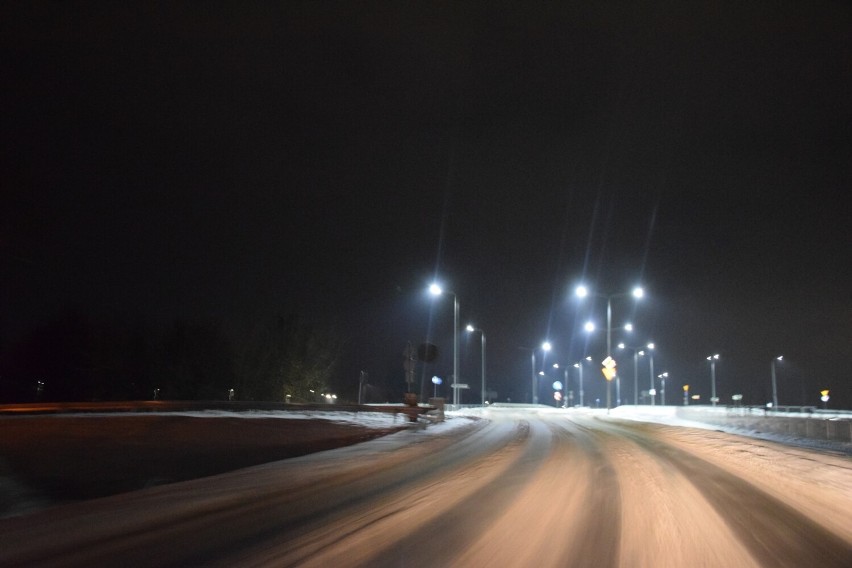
(713, 359)
(640, 352)
(652, 392)
(635, 371)
(579, 366)
(471, 329)
(436, 290)
(663, 378)
(774, 384)
(557, 384)
(582, 292)
(546, 346)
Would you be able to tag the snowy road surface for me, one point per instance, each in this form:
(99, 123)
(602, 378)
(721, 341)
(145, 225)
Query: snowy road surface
(518, 488)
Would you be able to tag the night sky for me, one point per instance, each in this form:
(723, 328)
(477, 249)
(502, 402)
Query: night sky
(225, 161)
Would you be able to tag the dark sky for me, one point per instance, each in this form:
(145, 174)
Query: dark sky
(229, 160)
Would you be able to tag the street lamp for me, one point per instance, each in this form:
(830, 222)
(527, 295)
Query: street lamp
(557, 384)
(652, 391)
(546, 346)
(774, 384)
(565, 384)
(583, 291)
(713, 359)
(436, 381)
(470, 328)
(637, 352)
(579, 365)
(436, 290)
(663, 378)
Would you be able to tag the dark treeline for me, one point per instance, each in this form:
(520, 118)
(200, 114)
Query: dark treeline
(78, 358)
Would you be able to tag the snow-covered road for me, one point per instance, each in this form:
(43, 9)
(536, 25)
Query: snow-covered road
(520, 487)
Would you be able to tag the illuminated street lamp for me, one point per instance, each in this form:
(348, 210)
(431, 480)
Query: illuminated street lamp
(565, 384)
(663, 378)
(546, 346)
(579, 365)
(774, 384)
(436, 290)
(652, 392)
(637, 352)
(471, 329)
(436, 381)
(713, 359)
(583, 291)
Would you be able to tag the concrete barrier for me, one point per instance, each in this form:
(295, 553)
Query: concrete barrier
(816, 425)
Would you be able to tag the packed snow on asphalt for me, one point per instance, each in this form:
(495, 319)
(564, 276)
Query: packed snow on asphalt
(505, 486)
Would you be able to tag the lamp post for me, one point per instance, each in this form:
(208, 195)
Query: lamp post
(533, 397)
(579, 366)
(544, 347)
(436, 381)
(564, 388)
(637, 293)
(652, 392)
(582, 292)
(471, 329)
(557, 386)
(774, 384)
(637, 352)
(713, 359)
(436, 290)
(663, 378)
(567, 381)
